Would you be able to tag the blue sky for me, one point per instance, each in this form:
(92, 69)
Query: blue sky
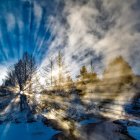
(23, 28)
(83, 30)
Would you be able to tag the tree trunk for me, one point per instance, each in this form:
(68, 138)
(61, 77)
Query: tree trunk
(21, 102)
(21, 98)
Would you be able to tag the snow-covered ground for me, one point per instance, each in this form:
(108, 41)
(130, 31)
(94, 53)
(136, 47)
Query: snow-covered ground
(133, 127)
(134, 131)
(26, 131)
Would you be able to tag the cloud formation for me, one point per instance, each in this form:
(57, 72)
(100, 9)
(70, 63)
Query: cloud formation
(84, 30)
(106, 28)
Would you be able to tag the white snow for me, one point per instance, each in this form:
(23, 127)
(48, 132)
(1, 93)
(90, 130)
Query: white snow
(134, 131)
(26, 131)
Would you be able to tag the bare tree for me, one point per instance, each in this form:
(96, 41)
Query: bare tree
(10, 79)
(60, 65)
(62, 73)
(91, 66)
(24, 70)
(22, 74)
(51, 69)
(48, 72)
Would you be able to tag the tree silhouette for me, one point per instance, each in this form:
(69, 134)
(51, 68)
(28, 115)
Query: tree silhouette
(91, 67)
(83, 72)
(24, 70)
(11, 79)
(60, 67)
(48, 72)
(51, 69)
(21, 76)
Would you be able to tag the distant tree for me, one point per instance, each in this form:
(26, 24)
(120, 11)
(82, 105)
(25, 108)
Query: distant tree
(62, 73)
(60, 67)
(55, 81)
(69, 82)
(48, 72)
(119, 71)
(83, 72)
(91, 66)
(88, 76)
(51, 69)
(69, 79)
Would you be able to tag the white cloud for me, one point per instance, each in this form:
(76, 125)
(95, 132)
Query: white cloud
(37, 11)
(10, 19)
(3, 73)
(105, 27)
